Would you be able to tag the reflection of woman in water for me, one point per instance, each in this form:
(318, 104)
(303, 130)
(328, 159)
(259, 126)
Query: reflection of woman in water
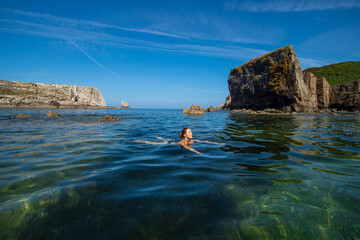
(186, 142)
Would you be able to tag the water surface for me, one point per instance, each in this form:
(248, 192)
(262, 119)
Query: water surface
(275, 177)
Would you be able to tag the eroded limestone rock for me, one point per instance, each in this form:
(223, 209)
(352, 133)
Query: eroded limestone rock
(211, 109)
(16, 94)
(124, 105)
(194, 109)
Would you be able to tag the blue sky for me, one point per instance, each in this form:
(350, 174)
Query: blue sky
(166, 54)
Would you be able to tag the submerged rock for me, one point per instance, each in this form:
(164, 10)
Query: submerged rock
(52, 114)
(21, 116)
(108, 118)
(211, 109)
(194, 109)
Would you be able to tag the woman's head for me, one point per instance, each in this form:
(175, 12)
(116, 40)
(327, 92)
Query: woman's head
(186, 133)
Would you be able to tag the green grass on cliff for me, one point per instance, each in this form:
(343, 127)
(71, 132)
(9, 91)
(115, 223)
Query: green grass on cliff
(338, 73)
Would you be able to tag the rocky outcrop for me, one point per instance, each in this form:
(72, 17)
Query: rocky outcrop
(211, 109)
(109, 118)
(274, 80)
(345, 96)
(194, 109)
(225, 106)
(39, 95)
(52, 114)
(319, 89)
(124, 105)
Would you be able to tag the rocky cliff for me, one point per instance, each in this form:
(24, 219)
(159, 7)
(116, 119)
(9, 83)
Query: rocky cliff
(40, 95)
(275, 81)
(345, 96)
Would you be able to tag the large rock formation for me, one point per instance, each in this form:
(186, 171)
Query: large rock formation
(40, 95)
(274, 80)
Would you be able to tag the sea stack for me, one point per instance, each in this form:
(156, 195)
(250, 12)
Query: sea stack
(274, 80)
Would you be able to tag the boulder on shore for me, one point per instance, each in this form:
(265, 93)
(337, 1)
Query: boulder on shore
(124, 105)
(108, 118)
(211, 109)
(194, 109)
(52, 114)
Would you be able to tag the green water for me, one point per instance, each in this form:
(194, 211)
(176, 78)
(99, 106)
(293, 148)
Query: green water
(274, 177)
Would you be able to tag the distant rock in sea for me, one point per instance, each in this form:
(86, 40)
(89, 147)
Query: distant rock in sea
(275, 81)
(109, 118)
(211, 109)
(124, 105)
(52, 114)
(194, 109)
(14, 94)
(20, 115)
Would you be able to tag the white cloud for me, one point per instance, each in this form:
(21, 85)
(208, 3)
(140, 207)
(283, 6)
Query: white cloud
(75, 23)
(291, 5)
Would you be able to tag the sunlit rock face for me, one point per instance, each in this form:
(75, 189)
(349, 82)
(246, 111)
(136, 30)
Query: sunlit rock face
(40, 95)
(274, 80)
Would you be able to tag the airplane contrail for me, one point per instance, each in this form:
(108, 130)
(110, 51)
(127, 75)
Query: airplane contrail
(86, 54)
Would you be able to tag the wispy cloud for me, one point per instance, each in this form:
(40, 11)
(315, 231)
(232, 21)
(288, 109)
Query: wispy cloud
(85, 23)
(291, 5)
(80, 31)
(72, 30)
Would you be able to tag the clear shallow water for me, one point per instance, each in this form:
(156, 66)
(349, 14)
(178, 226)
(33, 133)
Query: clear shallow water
(275, 177)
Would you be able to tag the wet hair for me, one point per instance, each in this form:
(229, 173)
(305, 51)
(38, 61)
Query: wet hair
(181, 134)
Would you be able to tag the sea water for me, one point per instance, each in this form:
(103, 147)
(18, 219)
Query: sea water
(273, 177)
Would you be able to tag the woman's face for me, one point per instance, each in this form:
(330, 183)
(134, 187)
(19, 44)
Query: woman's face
(188, 133)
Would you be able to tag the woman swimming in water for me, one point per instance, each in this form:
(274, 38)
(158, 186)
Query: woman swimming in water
(186, 134)
(186, 142)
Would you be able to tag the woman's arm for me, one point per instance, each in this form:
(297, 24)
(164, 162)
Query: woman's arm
(189, 148)
(209, 142)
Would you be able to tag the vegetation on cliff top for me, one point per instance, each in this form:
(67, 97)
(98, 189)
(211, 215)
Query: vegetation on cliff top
(338, 73)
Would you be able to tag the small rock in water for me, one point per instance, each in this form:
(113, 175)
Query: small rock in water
(109, 118)
(124, 105)
(211, 109)
(21, 116)
(194, 109)
(52, 114)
